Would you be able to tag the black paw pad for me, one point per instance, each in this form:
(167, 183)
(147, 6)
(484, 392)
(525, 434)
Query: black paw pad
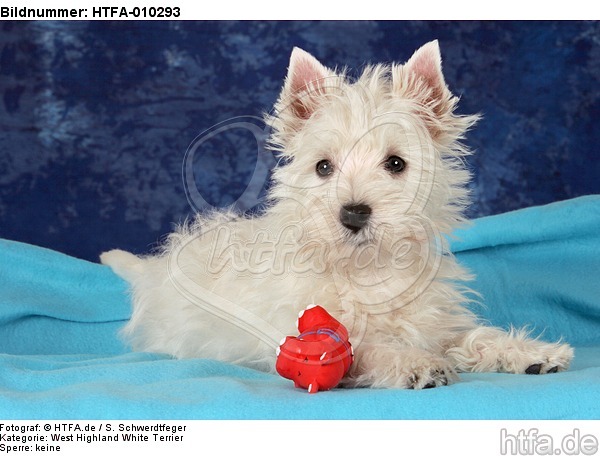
(441, 375)
(534, 369)
(553, 370)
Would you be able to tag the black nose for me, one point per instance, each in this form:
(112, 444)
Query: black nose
(355, 216)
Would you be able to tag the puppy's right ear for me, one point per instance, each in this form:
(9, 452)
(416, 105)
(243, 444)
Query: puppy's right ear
(306, 83)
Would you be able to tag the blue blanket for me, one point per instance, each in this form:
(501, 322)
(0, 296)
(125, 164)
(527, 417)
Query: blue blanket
(61, 356)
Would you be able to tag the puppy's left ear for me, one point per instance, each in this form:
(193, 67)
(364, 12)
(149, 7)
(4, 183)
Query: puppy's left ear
(425, 67)
(421, 79)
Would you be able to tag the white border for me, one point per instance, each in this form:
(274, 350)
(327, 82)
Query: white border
(371, 10)
(344, 438)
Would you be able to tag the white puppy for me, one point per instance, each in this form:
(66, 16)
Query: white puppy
(371, 182)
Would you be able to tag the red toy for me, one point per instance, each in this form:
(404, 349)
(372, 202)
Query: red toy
(320, 356)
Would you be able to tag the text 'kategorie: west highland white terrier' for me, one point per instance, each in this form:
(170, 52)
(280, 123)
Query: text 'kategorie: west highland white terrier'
(372, 180)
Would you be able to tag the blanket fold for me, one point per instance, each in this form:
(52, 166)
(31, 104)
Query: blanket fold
(51, 303)
(538, 267)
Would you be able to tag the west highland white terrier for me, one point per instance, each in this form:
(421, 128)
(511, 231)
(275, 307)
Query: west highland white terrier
(372, 181)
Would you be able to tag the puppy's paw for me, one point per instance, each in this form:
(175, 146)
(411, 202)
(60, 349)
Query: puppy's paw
(551, 358)
(487, 349)
(427, 378)
(538, 358)
(406, 368)
(428, 372)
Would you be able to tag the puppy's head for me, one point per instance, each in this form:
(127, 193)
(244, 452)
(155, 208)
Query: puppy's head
(374, 152)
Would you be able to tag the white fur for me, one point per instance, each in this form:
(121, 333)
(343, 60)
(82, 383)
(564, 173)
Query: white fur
(229, 287)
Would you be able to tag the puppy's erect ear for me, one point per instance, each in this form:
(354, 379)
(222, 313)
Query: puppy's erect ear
(421, 79)
(426, 63)
(305, 84)
(423, 74)
(304, 71)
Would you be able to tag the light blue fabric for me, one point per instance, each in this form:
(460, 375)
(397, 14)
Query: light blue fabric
(62, 358)
(51, 303)
(539, 267)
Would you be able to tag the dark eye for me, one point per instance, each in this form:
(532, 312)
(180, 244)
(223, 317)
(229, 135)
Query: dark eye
(324, 168)
(395, 164)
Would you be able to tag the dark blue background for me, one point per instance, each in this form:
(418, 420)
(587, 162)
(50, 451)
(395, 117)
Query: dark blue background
(96, 117)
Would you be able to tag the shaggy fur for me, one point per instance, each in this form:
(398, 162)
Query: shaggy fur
(228, 287)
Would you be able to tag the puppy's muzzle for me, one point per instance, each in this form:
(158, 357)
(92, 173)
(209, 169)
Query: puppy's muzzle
(355, 216)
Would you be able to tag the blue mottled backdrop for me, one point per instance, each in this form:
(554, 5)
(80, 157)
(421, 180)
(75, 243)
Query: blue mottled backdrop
(96, 117)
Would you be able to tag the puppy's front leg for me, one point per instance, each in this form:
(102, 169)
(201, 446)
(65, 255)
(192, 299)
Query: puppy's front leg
(486, 349)
(395, 366)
